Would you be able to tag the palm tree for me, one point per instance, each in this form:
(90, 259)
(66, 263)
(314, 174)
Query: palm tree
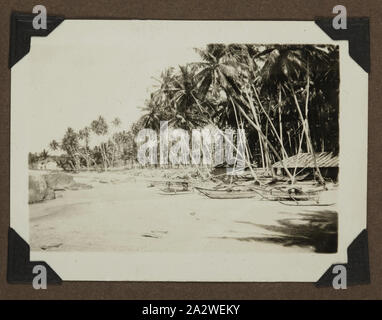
(218, 70)
(166, 90)
(153, 114)
(70, 144)
(114, 144)
(223, 71)
(274, 92)
(54, 145)
(44, 154)
(84, 135)
(324, 102)
(184, 114)
(116, 122)
(285, 67)
(100, 128)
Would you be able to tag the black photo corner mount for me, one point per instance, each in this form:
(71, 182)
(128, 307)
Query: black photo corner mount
(357, 267)
(358, 35)
(20, 268)
(21, 32)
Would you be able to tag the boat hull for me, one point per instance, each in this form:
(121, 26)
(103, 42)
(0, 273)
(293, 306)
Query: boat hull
(228, 194)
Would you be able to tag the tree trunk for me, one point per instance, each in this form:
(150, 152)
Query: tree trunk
(279, 158)
(103, 154)
(283, 151)
(221, 132)
(305, 125)
(246, 143)
(281, 125)
(261, 142)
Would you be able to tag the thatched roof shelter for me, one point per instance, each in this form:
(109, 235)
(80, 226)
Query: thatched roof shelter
(305, 160)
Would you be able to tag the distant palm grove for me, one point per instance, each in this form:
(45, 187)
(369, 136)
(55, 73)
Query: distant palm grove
(286, 97)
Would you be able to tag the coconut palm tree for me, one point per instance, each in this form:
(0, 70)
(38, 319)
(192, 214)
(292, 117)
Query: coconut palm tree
(84, 135)
(54, 145)
(153, 114)
(70, 144)
(44, 154)
(184, 113)
(287, 68)
(115, 148)
(116, 122)
(274, 92)
(218, 70)
(100, 128)
(224, 70)
(165, 91)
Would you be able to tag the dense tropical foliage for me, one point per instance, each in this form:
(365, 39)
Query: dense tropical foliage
(284, 96)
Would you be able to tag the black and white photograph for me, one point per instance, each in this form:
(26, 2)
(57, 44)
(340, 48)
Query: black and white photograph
(154, 139)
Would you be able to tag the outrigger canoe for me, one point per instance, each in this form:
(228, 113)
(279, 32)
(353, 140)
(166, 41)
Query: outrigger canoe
(228, 193)
(306, 204)
(259, 193)
(174, 192)
(290, 194)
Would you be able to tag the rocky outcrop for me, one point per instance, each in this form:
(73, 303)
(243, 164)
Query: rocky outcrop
(59, 180)
(39, 190)
(44, 186)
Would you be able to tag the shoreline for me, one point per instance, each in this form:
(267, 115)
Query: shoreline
(120, 213)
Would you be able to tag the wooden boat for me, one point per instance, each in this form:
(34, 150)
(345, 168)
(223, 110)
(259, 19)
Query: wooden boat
(174, 192)
(168, 182)
(289, 194)
(228, 193)
(306, 204)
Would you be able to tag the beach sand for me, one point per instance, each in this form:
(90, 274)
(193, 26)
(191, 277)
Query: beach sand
(120, 213)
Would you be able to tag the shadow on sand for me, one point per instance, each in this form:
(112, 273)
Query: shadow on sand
(315, 229)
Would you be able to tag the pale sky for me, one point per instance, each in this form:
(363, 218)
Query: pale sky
(87, 68)
(83, 70)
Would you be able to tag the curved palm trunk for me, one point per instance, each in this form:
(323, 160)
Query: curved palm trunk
(298, 156)
(261, 141)
(261, 151)
(290, 141)
(267, 157)
(201, 109)
(87, 153)
(305, 125)
(283, 151)
(75, 158)
(104, 156)
(281, 125)
(321, 179)
(279, 158)
(246, 142)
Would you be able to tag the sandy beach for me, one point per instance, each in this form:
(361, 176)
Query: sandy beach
(121, 213)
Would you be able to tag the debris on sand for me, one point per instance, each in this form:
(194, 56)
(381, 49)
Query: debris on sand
(157, 234)
(148, 235)
(51, 246)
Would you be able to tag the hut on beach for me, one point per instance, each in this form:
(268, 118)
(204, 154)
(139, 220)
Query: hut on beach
(327, 162)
